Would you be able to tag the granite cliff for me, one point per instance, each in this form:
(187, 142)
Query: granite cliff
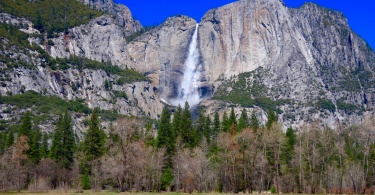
(305, 63)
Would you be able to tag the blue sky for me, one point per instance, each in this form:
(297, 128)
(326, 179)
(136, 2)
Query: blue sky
(360, 13)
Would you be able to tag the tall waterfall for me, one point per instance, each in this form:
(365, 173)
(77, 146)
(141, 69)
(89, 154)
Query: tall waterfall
(188, 90)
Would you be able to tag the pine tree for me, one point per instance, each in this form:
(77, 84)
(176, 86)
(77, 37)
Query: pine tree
(63, 142)
(200, 122)
(254, 122)
(288, 148)
(176, 123)
(34, 142)
(55, 151)
(166, 137)
(243, 122)
(44, 149)
(9, 139)
(225, 123)
(216, 128)
(232, 118)
(38, 21)
(26, 125)
(3, 139)
(95, 137)
(187, 131)
(207, 130)
(272, 118)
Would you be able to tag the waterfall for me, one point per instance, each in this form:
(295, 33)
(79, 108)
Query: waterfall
(188, 89)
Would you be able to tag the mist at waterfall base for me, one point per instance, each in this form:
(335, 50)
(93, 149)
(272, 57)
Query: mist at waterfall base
(189, 85)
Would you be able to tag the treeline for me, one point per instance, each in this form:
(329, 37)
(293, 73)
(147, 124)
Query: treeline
(227, 154)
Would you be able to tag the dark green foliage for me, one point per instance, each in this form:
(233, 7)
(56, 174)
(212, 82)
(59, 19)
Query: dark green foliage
(326, 105)
(86, 183)
(207, 131)
(3, 139)
(188, 133)
(44, 150)
(63, 143)
(34, 142)
(177, 120)
(243, 121)
(254, 122)
(216, 128)
(348, 108)
(200, 123)
(109, 115)
(9, 139)
(272, 118)
(50, 15)
(107, 85)
(166, 136)
(288, 148)
(273, 190)
(120, 94)
(248, 93)
(46, 106)
(232, 117)
(126, 75)
(225, 123)
(166, 178)
(26, 125)
(15, 36)
(95, 137)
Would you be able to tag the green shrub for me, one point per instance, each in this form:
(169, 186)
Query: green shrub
(86, 183)
(273, 190)
(326, 105)
(348, 108)
(120, 94)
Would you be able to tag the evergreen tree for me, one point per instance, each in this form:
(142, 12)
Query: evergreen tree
(166, 137)
(34, 142)
(56, 147)
(3, 138)
(26, 125)
(288, 149)
(176, 123)
(216, 128)
(95, 137)
(232, 118)
(187, 130)
(243, 122)
(254, 122)
(272, 118)
(200, 123)
(38, 21)
(225, 123)
(207, 130)
(44, 149)
(9, 139)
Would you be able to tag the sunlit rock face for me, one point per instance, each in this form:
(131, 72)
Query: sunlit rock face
(303, 55)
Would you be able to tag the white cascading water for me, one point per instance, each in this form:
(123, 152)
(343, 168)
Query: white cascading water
(188, 90)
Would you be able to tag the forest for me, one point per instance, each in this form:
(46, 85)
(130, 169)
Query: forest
(183, 153)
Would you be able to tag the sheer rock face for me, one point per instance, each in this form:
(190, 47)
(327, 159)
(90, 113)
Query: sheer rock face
(309, 53)
(305, 55)
(159, 53)
(122, 15)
